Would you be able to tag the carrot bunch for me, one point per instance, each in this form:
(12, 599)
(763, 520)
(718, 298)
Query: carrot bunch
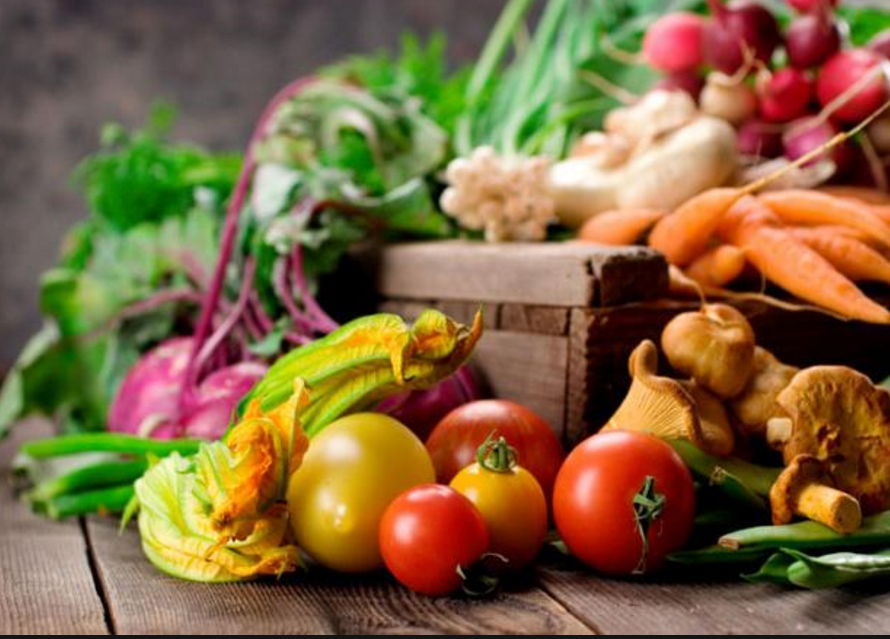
(814, 245)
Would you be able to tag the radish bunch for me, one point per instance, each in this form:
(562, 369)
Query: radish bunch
(787, 93)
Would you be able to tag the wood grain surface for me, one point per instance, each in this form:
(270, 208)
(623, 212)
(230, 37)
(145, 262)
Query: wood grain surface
(46, 586)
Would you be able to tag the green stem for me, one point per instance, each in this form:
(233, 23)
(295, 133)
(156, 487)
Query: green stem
(496, 455)
(103, 501)
(89, 477)
(107, 442)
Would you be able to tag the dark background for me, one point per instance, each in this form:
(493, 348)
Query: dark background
(67, 66)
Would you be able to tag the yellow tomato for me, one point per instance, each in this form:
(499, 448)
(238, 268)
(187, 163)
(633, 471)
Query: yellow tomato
(352, 471)
(513, 506)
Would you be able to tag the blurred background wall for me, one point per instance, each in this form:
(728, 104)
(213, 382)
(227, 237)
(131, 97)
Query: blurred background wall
(67, 66)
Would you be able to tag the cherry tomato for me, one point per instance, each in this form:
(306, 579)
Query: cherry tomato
(429, 532)
(594, 502)
(352, 471)
(510, 500)
(455, 440)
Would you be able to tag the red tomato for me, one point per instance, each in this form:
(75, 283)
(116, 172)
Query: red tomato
(426, 533)
(455, 440)
(593, 502)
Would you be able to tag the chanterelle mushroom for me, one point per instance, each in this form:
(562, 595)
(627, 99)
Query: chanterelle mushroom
(661, 406)
(714, 346)
(757, 403)
(841, 418)
(805, 489)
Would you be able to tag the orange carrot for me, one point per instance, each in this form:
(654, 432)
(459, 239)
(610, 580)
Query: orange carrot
(811, 208)
(882, 211)
(791, 264)
(685, 234)
(852, 258)
(859, 193)
(619, 228)
(718, 266)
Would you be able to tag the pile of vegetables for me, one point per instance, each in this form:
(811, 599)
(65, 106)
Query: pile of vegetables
(249, 430)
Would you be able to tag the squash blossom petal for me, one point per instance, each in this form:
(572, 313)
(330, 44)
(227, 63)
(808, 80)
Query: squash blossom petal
(218, 517)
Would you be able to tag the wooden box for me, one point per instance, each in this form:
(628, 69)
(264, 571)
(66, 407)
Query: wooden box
(561, 319)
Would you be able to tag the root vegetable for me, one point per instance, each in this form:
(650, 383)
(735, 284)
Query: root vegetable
(793, 265)
(719, 266)
(619, 228)
(811, 39)
(759, 139)
(728, 99)
(674, 42)
(738, 27)
(785, 95)
(855, 79)
(852, 257)
(696, 157)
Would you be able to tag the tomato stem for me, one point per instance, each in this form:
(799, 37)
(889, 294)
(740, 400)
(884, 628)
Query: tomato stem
(496, 455)
(648, 506)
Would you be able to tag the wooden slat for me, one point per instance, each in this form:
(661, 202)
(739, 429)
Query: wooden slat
(46, 586)
(529, 369)
(143, 600)
(543, 320)
(613, 606)
(554, 274)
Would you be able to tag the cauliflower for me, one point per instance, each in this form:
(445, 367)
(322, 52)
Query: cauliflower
(506, 196)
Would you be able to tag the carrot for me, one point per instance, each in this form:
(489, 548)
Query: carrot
(619, 228)
(791, 264)
(852, 258)
(685, 234)
(859, 193)
(797, 206)
(719, 266)
(882, 211)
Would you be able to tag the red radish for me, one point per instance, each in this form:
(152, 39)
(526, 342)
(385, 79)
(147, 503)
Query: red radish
(739, 26)
(811, 39)
(674, 42)
(759, 139)
(806, 134)
(218, 397)
(881, 43)
(688, 81)
(806, 6)
(785, 95)
(856, 71)
(878, 133)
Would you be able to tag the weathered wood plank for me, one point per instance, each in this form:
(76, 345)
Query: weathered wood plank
(614, 606)
(551, 274)
(544, 320)
(46, 586)
(526, 368)
(143, 600)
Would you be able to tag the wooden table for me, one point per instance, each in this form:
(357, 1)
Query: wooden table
(84, 577)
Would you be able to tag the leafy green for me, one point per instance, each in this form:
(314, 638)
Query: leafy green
(138, 177)
(864, 22)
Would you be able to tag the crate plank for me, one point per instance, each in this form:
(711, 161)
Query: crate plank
(526, 368)
(537, 274)
(143, 600)
(46, 586)
(544, 320)
(662, 606)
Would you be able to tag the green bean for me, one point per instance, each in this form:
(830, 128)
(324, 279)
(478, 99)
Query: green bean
(718, 555)
(875, 530)
(773, 571)
(103, 501)
(836, 569)
(107, 442)
(99, 475)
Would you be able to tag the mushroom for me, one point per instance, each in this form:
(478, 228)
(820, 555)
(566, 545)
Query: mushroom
(714, 346)
(716, 428)
(837, 415)
(663, 407)
(757, 403)
(804, 488)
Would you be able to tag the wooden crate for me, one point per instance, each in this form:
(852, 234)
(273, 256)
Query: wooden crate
(561, 319)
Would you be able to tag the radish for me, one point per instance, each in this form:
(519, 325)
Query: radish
(880, 44)
(739, 26)
(806, 6)
(674, 42)
(785, 95)
(811, 39)
(148, 401)
(759, 139)
(853, 78)
(727, 98)
(806, 134)
(688, 81)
